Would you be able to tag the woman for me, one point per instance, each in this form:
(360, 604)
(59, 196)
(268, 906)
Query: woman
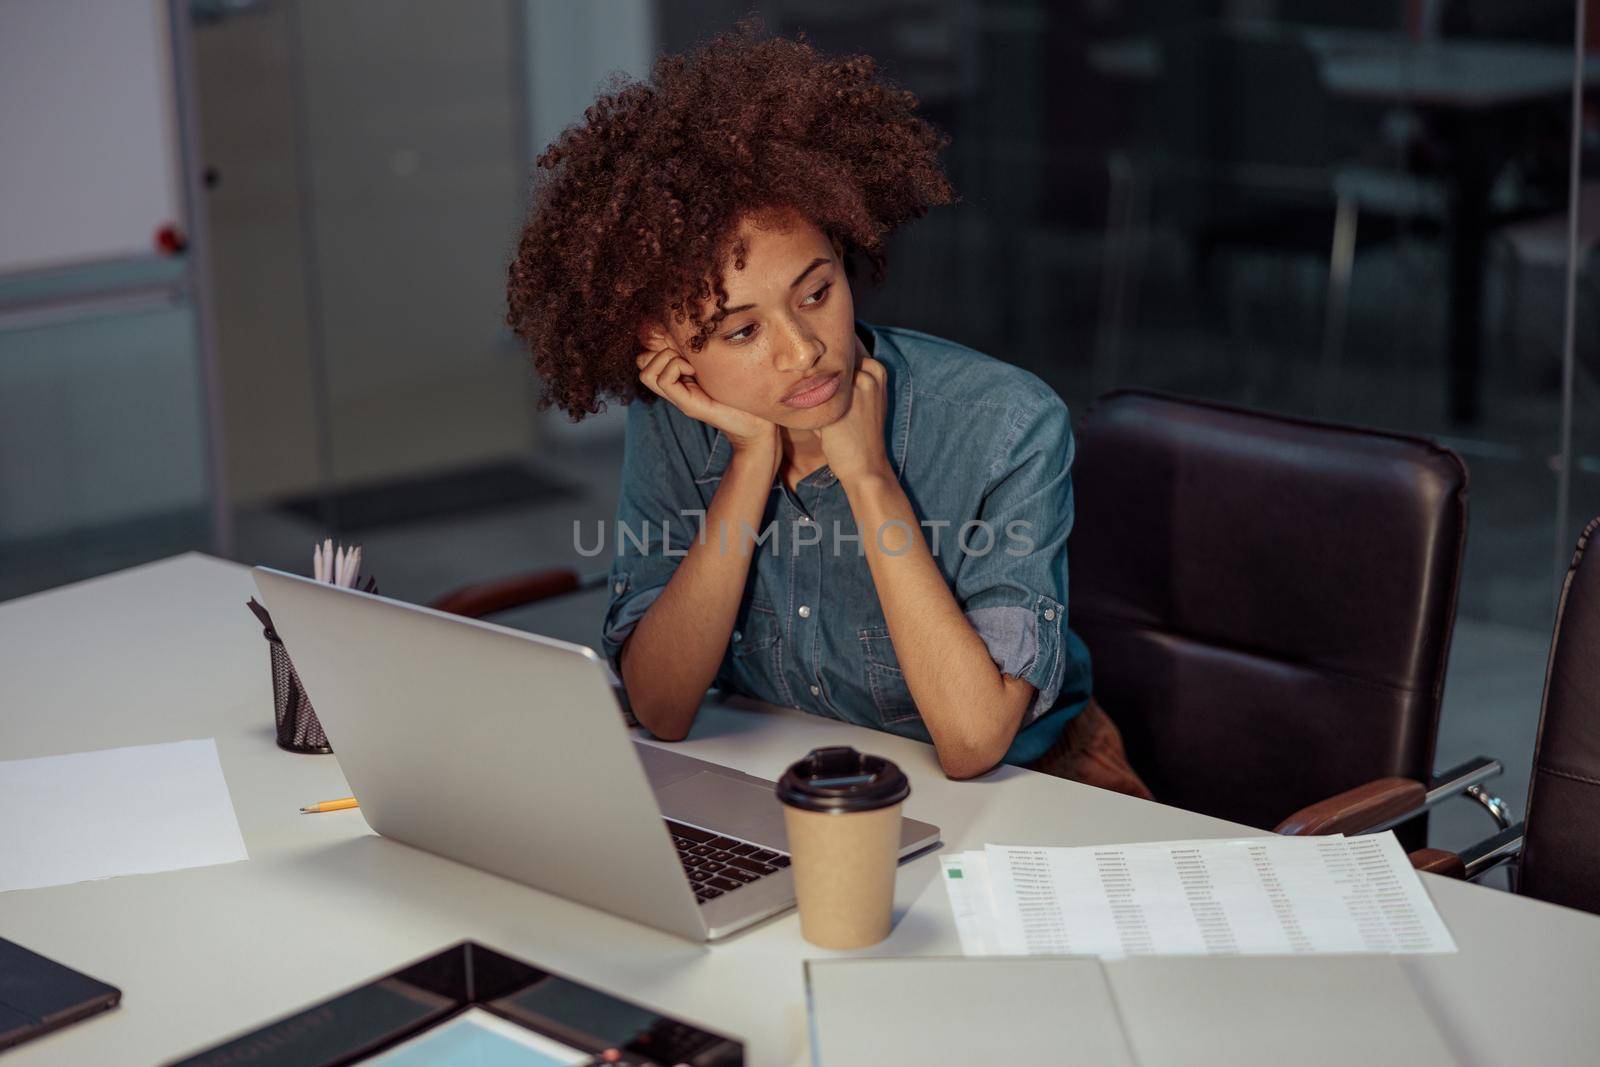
(861, 522)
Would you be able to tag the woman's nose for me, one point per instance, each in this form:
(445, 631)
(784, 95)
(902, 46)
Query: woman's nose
(800, 353)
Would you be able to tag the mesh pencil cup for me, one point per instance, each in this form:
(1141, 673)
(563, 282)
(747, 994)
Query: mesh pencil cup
(298, 728)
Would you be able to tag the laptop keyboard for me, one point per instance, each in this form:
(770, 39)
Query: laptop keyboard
(716, 865)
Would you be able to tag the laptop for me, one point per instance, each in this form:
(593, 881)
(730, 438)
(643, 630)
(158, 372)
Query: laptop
(508, 751)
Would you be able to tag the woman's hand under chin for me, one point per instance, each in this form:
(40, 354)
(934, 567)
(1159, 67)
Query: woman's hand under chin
(854, 444)
(667, 374)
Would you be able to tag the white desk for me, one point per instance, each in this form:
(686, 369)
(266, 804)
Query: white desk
(168, 651)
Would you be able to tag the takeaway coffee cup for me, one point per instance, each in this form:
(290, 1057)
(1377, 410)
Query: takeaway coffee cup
(841, 809)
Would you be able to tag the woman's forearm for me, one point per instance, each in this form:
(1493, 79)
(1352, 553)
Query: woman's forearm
(670, 659)
(972, 711)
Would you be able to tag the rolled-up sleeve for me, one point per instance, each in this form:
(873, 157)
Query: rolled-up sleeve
(656, 516)
(1015, 593)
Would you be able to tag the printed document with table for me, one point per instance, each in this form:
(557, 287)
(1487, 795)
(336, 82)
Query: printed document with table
(1264, 895)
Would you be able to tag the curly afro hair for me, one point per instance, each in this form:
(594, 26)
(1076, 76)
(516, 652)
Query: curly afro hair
(642, 201)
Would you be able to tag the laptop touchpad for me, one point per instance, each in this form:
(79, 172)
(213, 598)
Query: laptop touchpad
(726, 806)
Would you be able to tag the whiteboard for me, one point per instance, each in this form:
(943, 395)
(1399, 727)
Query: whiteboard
(89, 145)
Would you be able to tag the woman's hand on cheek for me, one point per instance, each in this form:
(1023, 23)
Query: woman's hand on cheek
(667, 374)
(854, 445)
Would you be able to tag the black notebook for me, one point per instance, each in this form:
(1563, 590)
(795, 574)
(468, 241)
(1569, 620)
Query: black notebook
(38, 995)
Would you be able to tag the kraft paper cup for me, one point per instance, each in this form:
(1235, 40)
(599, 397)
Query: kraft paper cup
(841, 811)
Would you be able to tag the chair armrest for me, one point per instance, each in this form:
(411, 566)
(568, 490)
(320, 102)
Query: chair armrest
(1491, 852)
(1462, 777)
(1357, 810)
(1474, 862)
(1438, 861)
(487, 598)
(1378, 805)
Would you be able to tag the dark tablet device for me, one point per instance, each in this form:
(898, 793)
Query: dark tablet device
(470, 1004)
(38, 995)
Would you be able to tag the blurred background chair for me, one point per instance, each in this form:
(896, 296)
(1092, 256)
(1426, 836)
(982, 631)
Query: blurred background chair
(1555, 853)
(1268, 604)
(489, 598)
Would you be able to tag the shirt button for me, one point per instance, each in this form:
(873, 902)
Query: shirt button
(1049, 614)
(805, 611)
(618, 587)
(816, 690)
(737, 636)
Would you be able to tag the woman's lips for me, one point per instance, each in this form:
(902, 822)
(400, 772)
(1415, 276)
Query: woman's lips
(817, 394)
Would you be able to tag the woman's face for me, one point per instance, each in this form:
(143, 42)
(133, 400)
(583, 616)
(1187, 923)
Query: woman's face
(790, 326)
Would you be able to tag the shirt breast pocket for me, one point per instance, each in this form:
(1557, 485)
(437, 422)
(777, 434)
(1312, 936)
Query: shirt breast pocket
(753, 647)
(887, 683)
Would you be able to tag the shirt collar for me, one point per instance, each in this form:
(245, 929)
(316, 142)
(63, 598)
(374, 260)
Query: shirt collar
(896, 421)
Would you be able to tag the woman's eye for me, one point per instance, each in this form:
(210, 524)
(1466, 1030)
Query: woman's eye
(741, 335)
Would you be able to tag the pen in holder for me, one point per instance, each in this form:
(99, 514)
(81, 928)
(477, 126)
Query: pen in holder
(298, 728)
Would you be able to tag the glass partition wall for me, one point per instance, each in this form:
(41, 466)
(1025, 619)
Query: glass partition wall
(1356, 212)
(1578, 304)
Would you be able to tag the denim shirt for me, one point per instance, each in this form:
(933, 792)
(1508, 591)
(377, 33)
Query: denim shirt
(973, 440)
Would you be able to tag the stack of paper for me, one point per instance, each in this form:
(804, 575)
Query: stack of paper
(1248, 896)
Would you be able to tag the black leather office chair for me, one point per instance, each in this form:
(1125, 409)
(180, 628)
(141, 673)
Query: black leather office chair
(1556, 852)
(1560, 856)
(1268, 604)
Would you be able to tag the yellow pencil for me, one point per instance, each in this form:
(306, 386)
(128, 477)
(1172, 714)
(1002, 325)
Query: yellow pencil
(329, 805)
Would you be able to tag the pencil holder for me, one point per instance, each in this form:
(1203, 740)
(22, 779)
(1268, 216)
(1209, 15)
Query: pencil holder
(298, 728)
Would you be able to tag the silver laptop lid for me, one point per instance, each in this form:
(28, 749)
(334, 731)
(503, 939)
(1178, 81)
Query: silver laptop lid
(498, 748)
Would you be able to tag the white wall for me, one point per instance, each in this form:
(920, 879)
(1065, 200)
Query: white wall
(90, 164)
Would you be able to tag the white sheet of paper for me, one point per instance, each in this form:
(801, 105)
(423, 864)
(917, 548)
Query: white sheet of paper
(135, 810)
(1248, 896)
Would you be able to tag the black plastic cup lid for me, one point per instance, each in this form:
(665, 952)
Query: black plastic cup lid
(840, 779)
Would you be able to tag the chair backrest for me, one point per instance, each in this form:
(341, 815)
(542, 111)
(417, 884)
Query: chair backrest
(1561, 847)
(1267, 600)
